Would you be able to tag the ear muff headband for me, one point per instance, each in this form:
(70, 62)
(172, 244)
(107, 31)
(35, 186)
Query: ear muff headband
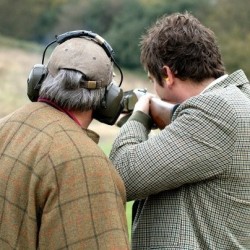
(113, 98)
(84, 33)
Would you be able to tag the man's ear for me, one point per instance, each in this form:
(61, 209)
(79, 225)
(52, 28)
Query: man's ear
(169, 76)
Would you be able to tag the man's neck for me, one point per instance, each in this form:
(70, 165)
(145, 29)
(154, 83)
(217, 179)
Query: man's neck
(84, 117)
(190, 89)
(215, 82)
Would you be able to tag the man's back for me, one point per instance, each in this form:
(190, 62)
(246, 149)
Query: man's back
(197, 187)
(57, 189)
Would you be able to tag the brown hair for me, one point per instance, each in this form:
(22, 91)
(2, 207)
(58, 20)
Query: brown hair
(181, 42)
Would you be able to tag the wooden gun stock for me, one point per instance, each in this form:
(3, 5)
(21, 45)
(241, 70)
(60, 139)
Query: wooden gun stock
(161, 112)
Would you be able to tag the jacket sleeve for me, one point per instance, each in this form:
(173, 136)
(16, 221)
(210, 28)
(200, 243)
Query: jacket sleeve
(194, 147)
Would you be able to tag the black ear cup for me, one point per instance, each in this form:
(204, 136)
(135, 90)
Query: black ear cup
(113, 105)
(34, 81)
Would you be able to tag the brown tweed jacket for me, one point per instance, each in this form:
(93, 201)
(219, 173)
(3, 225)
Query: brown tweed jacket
(57, 188)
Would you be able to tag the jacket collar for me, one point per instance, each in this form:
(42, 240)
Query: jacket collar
(237, 78)
(92, 135)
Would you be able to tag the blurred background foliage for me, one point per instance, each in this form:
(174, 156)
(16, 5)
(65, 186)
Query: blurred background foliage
(122, 22)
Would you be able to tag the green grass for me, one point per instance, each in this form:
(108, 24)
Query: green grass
(129, 216)
(9, 42)
(106, 147)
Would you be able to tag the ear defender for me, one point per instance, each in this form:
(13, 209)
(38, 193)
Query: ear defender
(34, 81)
(111, 107)
(113, 99)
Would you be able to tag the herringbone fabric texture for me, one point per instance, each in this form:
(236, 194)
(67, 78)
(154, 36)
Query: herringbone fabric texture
(57, 188)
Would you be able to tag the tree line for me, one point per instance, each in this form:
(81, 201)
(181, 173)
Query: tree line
(123, 22)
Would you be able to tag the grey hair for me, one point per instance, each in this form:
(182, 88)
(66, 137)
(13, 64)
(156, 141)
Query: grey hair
(64, 89)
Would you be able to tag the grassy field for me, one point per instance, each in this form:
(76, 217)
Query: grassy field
(129, 216)
(16, 60)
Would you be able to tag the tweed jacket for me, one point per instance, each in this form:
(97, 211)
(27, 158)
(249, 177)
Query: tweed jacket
(193, 177)
(58, 190)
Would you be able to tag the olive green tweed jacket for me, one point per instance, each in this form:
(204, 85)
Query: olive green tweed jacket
(57, 188)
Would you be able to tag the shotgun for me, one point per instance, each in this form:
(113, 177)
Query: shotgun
(160, 111)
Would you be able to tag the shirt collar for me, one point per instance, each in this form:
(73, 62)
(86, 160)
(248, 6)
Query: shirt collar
(215, 82)
(53, 104)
